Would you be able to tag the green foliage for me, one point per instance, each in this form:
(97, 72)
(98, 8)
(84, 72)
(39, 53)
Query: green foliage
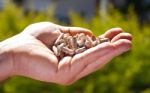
(128, 73)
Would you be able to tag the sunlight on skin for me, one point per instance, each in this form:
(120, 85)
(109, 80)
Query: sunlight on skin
(31, 55)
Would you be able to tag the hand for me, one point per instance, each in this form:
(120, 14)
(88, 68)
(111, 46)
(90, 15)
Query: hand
(30, 53)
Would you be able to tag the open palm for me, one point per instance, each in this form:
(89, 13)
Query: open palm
(33, 56)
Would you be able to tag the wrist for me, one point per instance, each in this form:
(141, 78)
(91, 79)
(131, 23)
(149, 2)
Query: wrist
(6, 62)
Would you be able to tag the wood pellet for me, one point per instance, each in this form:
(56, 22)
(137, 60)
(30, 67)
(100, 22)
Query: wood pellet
(68, 45)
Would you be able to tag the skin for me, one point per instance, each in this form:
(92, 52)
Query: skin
(29, 54)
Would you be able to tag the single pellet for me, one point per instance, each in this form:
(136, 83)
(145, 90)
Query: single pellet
(81, 36)
(80, 50)
(74, 43)
(88, 44)
(59, 38)
(80, 43)
(55, 50)
(68, 51)
(104, 40)
(59, 48)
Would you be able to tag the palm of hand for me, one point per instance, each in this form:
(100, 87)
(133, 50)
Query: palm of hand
(37, 61)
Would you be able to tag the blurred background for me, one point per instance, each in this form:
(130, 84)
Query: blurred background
(128, 73)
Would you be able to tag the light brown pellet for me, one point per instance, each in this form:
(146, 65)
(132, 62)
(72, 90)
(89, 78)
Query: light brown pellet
(80, 43)
(55, 50)
(88, 44)
(104, 40)
(58, 39)
(59, 49)
(80, 50)
(68, 51)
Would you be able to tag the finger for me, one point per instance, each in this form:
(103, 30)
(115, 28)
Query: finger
(121, 46)
(122, 36)
(80, 61)
(63, 69)
(64, 64)
(97, 64)
(92, 67)
(75, 30)
(112, 33)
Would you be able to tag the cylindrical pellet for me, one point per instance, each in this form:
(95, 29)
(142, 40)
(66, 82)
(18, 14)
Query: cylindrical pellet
(68, 51)
(58, 39)
(104, 40)
(55, 50)
(80, 50)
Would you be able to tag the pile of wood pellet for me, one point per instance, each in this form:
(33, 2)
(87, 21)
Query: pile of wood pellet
(68, 45)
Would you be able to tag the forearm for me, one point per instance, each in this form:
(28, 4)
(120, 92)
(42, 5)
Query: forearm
(6, 64)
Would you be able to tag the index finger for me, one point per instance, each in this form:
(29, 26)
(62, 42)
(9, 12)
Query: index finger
(111, 33)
